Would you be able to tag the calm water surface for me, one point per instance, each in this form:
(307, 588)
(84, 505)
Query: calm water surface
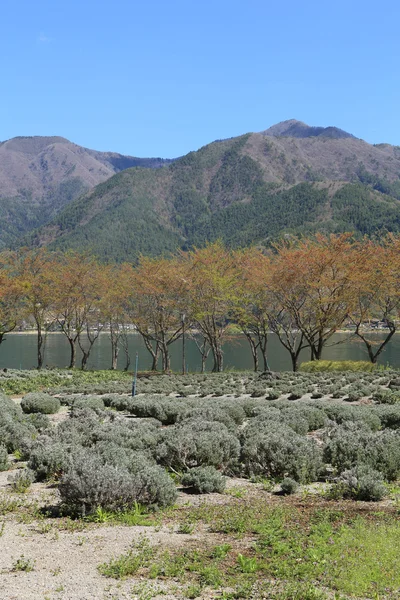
(18, 351)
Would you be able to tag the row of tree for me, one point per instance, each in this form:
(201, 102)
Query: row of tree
(303, 291)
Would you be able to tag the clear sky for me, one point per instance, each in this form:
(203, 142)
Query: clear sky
(165, 77)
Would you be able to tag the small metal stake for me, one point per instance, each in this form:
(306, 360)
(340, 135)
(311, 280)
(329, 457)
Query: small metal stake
(135, 375)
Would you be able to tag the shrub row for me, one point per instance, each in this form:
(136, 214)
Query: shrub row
(101, 458)
(38, 402)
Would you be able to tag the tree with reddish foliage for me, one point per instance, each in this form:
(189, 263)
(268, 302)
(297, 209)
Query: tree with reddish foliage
(73, 288)
(213, 278)
(253, 302)
(157, 305)
(116, 289)
(36, 273)
(377, 291)
(11, 295)
(313, 283)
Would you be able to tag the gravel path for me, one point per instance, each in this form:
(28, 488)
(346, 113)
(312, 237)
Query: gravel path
(65, 562)
(65, 565)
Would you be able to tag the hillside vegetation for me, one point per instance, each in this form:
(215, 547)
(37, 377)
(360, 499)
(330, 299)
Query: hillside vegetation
(246, 190)
(39, 176)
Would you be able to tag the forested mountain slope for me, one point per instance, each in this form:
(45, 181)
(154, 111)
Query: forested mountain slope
(251, 189)
(39, 176)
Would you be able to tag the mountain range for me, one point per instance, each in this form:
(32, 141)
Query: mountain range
(287, 180)
(39, 176)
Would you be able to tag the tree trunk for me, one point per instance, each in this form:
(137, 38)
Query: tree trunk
(91, 339)
(115, 336)
(156, 356)
(218, 358)
(254, 349)
(115, 352)
(72, 346)
(204, 355)
(263, 341)
(373, 356)
(41, 345)
(85, 357)
(166, 358)
(204, 352)
(6, 329)
(292, 344)
(125, 347)
(154, 353)
(294, 355)
(320, 347)
(316, 344)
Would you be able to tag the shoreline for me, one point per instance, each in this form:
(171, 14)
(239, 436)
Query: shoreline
(339, 331)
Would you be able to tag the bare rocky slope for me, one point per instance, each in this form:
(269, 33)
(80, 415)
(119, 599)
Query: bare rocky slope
(40, 175)
(290, 179)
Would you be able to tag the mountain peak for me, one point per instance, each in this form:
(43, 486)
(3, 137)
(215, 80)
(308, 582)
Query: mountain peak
(298, 129)
(32, 144)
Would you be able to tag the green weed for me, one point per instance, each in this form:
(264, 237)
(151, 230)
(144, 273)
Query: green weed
(186, 528)
(23, 564)
(192, 591)
(221, 551)
(247, 564)
(129, 563)
(9, 505)
(137, 515)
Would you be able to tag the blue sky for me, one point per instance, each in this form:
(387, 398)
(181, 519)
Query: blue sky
(165, 77)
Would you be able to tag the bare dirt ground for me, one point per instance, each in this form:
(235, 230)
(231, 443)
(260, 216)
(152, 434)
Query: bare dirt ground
(65, 561)
(65, 555)
(58, 559)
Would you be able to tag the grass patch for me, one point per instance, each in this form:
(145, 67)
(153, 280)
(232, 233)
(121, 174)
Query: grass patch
(137, 515)
(316, 366)
(15, 382)
(293, 552)
(130, 563)
(365, 559)
(9, 504)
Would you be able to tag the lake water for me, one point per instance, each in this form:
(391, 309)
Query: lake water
(18, 351)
